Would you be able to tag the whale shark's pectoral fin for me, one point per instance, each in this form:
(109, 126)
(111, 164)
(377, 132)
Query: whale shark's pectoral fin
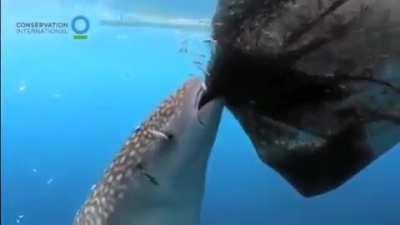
(323, 146)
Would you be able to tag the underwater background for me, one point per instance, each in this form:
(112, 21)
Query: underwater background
(68, 105)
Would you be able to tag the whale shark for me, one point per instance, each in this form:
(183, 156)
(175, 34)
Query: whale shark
(158, 177)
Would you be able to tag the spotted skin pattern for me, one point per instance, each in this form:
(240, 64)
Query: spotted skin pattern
(129, 164)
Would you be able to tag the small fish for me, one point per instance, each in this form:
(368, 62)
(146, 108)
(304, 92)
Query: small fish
(19, 218)
(22, 88)
(209, 41)
(56, 96)
(183, 49)
(199, 63)
(138, 128)
(158, 177)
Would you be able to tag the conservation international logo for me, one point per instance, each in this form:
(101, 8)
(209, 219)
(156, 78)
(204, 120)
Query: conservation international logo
(79, 27)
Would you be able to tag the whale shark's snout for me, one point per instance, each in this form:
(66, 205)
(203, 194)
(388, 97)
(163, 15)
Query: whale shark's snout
(158, 177)
(203, 111)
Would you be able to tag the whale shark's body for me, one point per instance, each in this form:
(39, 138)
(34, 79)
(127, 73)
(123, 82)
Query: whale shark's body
(158, 177)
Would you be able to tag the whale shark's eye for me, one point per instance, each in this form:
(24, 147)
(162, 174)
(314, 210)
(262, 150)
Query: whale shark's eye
(170, 136)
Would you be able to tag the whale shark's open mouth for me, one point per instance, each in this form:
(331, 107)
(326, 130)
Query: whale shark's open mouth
(199, 97)
(206, 96)
(198, 102)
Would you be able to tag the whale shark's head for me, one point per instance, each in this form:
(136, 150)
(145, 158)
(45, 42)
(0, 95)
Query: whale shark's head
(192, 126)
(158, 177)
(182, 131)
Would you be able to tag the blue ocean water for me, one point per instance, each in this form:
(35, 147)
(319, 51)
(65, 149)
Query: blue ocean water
(68, 105)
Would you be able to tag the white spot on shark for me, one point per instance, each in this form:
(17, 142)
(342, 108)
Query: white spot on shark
(158, 134)
(93, 187)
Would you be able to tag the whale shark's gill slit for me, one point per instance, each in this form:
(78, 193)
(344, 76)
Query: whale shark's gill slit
(146, 174)
(152, 179)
